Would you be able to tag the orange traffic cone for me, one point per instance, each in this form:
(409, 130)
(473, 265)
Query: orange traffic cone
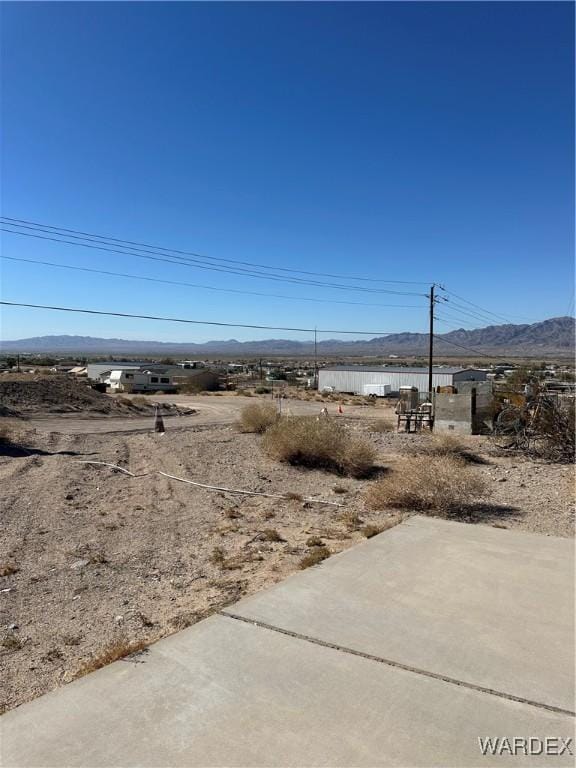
(158, 422)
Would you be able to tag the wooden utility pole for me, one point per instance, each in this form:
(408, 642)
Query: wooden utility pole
(431, 341)
(315, 359)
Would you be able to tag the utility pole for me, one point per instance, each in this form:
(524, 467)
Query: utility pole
(315, 359)
(431, 341)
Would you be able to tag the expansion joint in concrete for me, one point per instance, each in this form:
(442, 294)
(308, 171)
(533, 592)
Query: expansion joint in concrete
(398, 665)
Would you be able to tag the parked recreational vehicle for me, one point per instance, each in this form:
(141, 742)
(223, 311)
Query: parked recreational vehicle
(140, 381)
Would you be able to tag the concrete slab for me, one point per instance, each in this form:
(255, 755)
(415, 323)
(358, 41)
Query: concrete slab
(226, 693)
(486, 606)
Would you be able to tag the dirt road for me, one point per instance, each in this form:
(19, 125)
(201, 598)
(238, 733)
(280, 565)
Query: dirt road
(210, 410)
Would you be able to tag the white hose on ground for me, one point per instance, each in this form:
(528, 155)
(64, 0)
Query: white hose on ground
(211, 487)
(105, 464)
(248, 493)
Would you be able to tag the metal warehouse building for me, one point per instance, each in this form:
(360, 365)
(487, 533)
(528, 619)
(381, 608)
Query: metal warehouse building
(361, 379)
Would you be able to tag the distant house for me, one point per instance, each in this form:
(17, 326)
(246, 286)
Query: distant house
(140, 381)
(102, 371)
(203, 377)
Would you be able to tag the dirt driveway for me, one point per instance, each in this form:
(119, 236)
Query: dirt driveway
(210, 411)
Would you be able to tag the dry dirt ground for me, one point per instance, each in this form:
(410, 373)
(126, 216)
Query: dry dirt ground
(93, 559)
(42, 396)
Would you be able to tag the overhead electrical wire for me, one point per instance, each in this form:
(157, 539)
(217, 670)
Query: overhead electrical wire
(498, 316)
(194, 265)
(74, 233)
(193, 322)
(456, 307)
(205, 287)
(459, 318)
(480, 315)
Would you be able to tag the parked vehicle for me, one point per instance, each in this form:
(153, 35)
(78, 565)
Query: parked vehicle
(377, 390)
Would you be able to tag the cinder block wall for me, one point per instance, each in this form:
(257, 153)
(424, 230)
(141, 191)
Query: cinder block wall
(453, 413)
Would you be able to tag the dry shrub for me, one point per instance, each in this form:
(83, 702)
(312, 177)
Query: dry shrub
(257, 417)
(119, 649)
(315, 556)
(12, 436)
(319, 443)
(441, 484)
(382, 425)
(11, 642)
(292, 496)
(373, 529)
(6, 434)
(218, 556)
(351, 520)
(556, 424)
(442, 444)
(445, 444)
(271, 534)
(189, 387)
(7, 569)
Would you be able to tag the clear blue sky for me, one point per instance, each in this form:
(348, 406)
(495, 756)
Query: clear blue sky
(400, 141)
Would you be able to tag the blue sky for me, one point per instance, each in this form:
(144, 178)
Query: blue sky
(396, 141)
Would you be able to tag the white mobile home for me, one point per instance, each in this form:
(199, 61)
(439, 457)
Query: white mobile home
(140, 381)
(387, 380)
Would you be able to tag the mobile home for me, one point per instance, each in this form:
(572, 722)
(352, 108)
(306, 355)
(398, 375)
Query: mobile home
(140, 381)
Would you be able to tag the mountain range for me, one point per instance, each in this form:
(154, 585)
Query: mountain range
(553, 336)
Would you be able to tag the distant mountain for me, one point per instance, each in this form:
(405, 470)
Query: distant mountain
(553, 336)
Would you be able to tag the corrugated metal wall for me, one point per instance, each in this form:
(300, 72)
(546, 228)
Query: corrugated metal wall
(353, 381)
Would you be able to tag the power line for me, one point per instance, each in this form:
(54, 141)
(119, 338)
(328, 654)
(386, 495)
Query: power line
(191, 264)
(460, 319)
(205, 287)
(73, 232)
(476, 315)
(505, 318)
(481, 315)
(193, 322)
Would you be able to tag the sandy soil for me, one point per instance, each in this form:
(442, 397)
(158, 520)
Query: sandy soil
(46, 396)
(93, 558)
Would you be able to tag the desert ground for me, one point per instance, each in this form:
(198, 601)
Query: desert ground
(93, 560)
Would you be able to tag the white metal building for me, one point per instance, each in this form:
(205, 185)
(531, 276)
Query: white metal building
(363, 379)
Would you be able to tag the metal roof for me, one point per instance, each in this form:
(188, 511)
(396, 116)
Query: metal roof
(393, 369)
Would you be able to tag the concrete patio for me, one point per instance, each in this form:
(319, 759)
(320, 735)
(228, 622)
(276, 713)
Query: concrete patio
(403, 651)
